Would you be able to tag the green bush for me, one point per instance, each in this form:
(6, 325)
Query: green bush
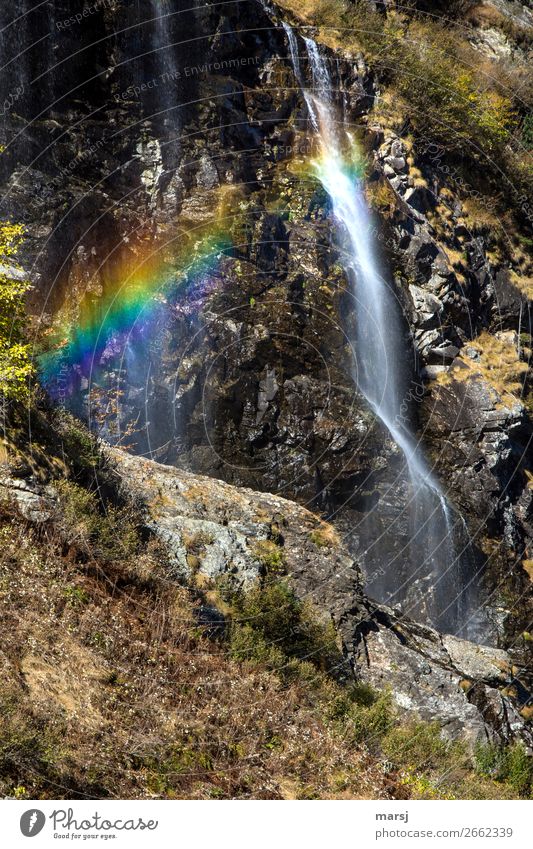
(421, 746)
(527, 132)
(110, 534)
(247, 644)
(16, 369)
(366, 717)
(271, 627)
(511, 765)
(271, 556)
(79, 446)
(279, 623)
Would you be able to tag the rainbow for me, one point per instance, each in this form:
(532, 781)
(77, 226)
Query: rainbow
(142, 288)
(130, 310)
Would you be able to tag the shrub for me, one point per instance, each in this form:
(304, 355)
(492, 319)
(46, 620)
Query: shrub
(247, 644)
(271, 556)
(527, 132)
(511, 765)
(29, 748)
(278, 623)
(111, 534)
(364, 715)
(324, 537)
(421, 746)
(80, 447)
(15, 364)
(445, 100)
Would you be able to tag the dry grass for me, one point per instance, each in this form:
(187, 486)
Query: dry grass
(525, 284)
(528, 566)
(111, 688)
(381, 197)
(106, 665)
(487, 16)
(479, 217)
(326, 536)
(499, 364)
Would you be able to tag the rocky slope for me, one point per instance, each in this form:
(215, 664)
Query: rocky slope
(121, 155)
(250, 378)
(117, 680)
(227, 539)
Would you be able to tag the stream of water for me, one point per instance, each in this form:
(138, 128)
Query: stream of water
(436, 580)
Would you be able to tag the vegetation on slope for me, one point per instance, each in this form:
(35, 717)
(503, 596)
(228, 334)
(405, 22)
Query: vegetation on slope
(118, 682)
(456, 101)
(15, 364)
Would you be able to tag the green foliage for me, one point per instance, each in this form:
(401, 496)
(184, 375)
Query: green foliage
(511, 765)
(111, 534)
(164, 771)
(273, 629)
(447, 101)
(527, 131)
(15, 364)
(364, 715)
(271, 556)
(79, 446)
(421, 746)
(271, 626)
(76, 596)
(27, 746)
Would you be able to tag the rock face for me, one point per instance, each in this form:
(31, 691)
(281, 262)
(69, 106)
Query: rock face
(462, 686)
(34, 503)
(439, 677)
(124, 149)
(216, 529)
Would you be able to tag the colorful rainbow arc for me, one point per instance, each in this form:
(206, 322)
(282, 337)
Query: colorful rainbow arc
(131, 307)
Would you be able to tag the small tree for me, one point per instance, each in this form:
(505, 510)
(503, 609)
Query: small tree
(15, 362)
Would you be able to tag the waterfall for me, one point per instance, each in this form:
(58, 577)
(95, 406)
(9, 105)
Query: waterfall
(437, 582)
(165, 60)
(163, 40)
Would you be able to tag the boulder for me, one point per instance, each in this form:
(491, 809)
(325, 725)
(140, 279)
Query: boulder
(432, 676)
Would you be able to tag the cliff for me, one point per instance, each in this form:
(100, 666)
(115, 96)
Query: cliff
(191, 301)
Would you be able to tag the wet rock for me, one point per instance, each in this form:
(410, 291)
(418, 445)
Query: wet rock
(438, 677)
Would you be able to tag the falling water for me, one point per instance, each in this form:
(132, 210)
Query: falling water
(436, 583)
(167, 73)
(163, 44)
